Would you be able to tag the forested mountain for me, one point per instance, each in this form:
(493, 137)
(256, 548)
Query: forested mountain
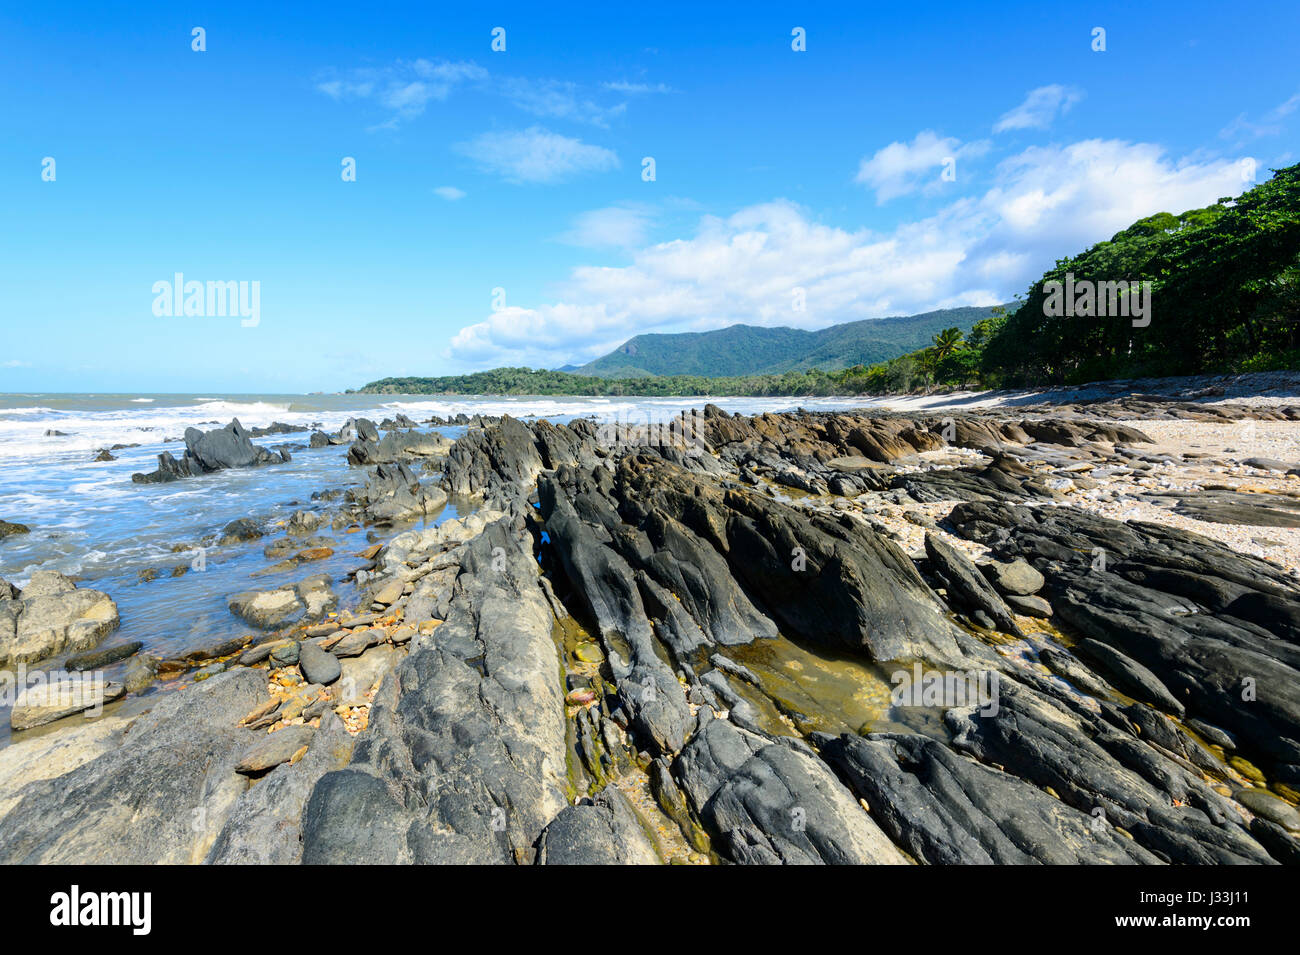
(753, 349)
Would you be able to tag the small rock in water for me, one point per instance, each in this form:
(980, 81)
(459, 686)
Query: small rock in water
(47, 702)
(1213, 734)
(588, 652)
(240, 530)
(212, 669)
(97, 659)
(140, 673)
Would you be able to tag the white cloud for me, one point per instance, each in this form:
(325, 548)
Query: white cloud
(621, 226)
(403, 89)
(536, 155)
(556, 99)
(450, 193)
(638, 88)
(1241, 128)
(15, 363)
(406, 88)
(1045, 203)
(1039, 108)
(900, 168)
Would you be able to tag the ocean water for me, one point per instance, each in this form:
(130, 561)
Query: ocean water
(140, 543)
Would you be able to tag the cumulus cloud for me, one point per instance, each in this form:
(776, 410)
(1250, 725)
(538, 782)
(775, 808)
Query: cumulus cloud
(1044, 203)
(536, 155)
(450, 193)
(900, 168)
(1040, 108)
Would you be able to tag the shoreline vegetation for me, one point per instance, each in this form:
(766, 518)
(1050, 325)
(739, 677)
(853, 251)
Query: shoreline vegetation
(1219, 289)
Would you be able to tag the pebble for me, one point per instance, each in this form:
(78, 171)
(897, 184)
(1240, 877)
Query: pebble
(287, 653)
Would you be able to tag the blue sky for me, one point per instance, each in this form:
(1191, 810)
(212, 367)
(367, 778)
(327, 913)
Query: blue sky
(477, 170)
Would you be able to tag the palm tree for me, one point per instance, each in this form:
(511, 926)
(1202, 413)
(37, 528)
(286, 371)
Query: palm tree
(946, 342)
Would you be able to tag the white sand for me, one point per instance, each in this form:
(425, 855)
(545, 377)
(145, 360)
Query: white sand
(1116, 498)
(1260, 389)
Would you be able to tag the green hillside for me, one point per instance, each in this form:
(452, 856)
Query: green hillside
(1213, 290)
(751, 349)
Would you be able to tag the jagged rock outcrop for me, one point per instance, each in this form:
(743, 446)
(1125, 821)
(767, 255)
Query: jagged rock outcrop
(208, 451)
(395, 493)
(1216, 628)
(398, 446)
(464, 760)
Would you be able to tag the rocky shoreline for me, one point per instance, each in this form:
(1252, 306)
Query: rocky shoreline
(674, 646)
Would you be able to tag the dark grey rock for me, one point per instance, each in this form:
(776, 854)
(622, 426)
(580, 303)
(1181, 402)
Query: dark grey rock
(965, 585)
(603, 830)
(317, 665)
(1016, 578)
(158, 794)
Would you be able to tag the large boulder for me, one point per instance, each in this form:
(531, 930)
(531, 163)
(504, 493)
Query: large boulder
(944, 808)
(493, 462)
(208, 451)
(398, 446)
(776, 802)
(52, 615)
(394, 493)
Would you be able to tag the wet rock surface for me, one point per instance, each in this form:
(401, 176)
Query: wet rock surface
(208, 451)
